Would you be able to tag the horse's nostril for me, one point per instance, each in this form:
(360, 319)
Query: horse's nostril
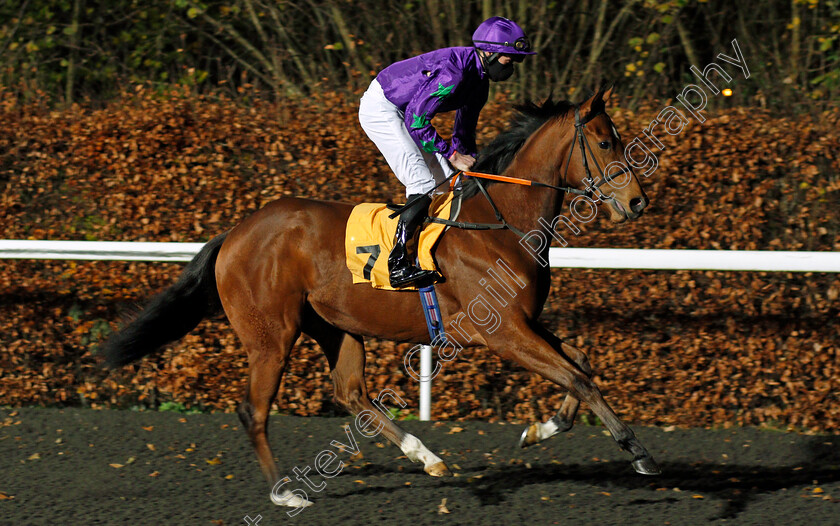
(637, 204)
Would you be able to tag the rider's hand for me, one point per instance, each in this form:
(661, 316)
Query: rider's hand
(462, 162)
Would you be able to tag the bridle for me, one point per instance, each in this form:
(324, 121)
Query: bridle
(589, 182)
(585, 152)
(580, 138)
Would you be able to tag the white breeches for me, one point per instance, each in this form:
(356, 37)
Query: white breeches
(383, 123)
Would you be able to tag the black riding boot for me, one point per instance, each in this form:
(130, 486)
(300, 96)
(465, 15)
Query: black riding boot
(401, 262)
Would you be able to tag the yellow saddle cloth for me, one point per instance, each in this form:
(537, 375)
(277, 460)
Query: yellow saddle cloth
(370, 237)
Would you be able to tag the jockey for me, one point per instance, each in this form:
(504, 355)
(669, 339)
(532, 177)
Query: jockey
(397, 109)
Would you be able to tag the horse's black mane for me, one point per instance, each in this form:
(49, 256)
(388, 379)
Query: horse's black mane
(497, 156)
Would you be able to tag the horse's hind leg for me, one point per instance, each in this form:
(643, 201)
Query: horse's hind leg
(564, 419)
(268, 348)
(346, 355)
(351, 392)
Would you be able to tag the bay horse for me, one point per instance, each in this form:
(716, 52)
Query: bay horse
(281, 272)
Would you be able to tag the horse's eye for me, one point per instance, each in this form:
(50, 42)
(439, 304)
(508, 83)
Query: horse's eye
(604, 145)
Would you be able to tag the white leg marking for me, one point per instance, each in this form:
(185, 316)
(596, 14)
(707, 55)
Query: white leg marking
(415, 450)
(287, 498)
(547, 429)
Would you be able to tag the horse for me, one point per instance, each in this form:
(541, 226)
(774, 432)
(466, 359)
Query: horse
(281, 272)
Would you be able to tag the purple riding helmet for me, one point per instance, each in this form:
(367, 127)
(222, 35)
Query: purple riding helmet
(501, 36)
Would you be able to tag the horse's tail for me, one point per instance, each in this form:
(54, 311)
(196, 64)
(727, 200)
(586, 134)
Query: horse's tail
(173, 313)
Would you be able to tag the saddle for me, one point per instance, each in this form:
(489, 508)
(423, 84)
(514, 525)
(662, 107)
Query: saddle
(369, 238)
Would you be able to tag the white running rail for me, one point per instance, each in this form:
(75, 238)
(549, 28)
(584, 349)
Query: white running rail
(613, 258)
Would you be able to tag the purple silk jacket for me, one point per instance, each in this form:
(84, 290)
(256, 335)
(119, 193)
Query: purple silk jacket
(435, 82)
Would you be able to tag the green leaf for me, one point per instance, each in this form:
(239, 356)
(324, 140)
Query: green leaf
(69, 30)
(193, 12)
(659, 67)
(652, 38)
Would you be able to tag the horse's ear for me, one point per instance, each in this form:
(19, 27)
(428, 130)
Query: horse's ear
(607, 91)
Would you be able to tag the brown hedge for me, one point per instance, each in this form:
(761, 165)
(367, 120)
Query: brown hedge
(670, 348)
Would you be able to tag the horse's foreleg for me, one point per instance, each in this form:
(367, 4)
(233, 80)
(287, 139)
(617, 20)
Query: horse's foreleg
(348, 369)
(559, 423)
(533, 352)
(565, 417)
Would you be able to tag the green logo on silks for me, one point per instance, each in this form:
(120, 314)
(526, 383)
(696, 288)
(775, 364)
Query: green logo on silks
(442, 91)
(429, 146)
(420, 121)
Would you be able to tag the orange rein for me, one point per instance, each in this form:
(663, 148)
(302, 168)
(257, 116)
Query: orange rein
(504, 178)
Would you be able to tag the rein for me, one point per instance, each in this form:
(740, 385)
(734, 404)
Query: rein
(589, 182)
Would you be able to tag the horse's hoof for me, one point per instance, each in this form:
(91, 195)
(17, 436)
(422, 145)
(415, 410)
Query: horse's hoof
(530, 436)
(646, 466)
(290, 499)
(438, 469)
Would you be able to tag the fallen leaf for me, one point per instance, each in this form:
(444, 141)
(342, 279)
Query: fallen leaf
(34, 456)
(154, 473)
(455, 429)
(442, 507)
(117, 466)
(151, 447)
(214, 461)
(148, 428)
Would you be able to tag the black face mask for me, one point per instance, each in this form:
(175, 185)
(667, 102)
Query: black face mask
(496, 70)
